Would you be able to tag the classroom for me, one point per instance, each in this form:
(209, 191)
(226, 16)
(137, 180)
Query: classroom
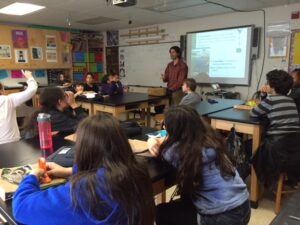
(150, 112)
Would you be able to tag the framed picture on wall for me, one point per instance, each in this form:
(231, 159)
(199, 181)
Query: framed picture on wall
(50, 42)
(36, 53)
(51, 56)
(5, 52)
(21, 56)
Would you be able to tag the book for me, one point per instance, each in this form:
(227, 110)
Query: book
(10, 179)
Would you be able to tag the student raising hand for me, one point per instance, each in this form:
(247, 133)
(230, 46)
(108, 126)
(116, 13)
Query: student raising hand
(27, 74)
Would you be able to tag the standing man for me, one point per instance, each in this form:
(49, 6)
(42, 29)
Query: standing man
(175, 73)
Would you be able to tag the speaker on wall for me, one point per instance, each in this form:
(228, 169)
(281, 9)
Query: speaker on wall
(256, 42)
(183, 46)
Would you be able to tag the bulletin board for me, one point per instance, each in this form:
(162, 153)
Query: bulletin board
(294, 58)
(44, 49)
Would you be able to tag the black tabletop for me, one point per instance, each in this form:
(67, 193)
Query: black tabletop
(205, 108)
(235, 115)
(28, 152)
(125, 99)
(290, 208)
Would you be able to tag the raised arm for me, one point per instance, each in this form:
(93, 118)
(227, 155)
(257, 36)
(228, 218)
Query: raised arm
(21, 97)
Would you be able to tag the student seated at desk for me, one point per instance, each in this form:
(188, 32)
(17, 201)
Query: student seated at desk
(89, 85)
(279, 151)
(295, 93)
(62, 81)
(191, 98)
(111, 85)
(78, 89)
(107, 185)
(210, 187)
(9, 131)
(64, 111)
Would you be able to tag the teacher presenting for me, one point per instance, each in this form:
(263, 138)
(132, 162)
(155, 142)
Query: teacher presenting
(175, 73)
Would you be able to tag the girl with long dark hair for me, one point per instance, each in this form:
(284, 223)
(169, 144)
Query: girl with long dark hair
(64, 111)
(210, 187)
(107, 185)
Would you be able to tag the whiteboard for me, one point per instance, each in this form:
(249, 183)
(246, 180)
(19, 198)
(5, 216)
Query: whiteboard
(143, 64)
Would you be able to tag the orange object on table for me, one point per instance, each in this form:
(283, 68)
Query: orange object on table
(42, 165)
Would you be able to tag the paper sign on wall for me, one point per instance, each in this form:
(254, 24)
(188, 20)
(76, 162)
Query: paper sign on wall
(16, 74)
(5, 52)
(39, 73)
(3, 74)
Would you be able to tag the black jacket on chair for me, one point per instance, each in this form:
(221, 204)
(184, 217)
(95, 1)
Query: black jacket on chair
(277, 154)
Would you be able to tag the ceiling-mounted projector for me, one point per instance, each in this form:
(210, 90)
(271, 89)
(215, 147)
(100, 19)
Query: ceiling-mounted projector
(124, 3)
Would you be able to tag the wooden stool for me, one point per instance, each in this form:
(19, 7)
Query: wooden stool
(280, 192)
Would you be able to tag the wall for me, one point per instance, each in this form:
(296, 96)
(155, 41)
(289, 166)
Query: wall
(36, 38)
(273, 15)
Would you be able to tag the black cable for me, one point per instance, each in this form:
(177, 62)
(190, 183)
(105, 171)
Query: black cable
(264, 32)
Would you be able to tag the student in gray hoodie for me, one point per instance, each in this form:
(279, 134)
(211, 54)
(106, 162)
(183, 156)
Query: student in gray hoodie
(191, 98)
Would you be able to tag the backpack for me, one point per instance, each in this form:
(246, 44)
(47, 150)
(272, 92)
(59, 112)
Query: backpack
(238, 153)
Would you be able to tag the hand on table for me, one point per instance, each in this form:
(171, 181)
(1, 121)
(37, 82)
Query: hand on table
(153, 146)
(56, 170)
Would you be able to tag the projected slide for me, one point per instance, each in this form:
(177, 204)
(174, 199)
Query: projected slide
(221, 56)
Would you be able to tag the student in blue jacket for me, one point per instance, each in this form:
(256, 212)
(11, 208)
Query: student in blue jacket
(212, 192)
(106, 187)
(111, 85)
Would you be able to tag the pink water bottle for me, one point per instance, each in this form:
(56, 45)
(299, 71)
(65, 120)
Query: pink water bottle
(45, 135)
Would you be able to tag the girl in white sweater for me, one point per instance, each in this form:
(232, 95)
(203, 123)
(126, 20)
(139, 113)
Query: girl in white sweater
(9, 131)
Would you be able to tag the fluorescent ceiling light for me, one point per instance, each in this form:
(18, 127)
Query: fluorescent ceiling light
(20, 9)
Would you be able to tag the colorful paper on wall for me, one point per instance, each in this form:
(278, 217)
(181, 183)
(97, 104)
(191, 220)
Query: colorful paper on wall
(78, 57)
(92, 57)
(78, 76)
(40, 73)
(296, 59)
(99, 67)
(3, 74)
(98, 57)
(86, 57)
(93, 67)
(64, 36)
(16, 74)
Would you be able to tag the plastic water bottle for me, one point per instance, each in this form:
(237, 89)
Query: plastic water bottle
(45, 135)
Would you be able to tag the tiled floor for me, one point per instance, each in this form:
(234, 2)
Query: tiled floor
(263, 215)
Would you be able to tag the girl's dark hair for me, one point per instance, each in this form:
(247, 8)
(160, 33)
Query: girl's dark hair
(280, 80)
(297, 71)
(101, 143)
(177, 50)
(105, 79)
(90, 74)
(48, 100)
(192, 134)
(1, 86)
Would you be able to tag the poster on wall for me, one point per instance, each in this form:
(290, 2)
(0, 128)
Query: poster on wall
(278, 47)
(5, 52)
(66, 58)
(21, 56)
(122, 71)
(37, 53)
(51, 56)
(20, 39)
(112, 38)
(50, 42)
